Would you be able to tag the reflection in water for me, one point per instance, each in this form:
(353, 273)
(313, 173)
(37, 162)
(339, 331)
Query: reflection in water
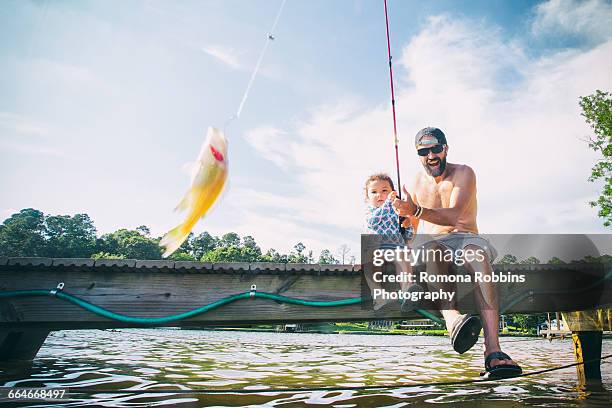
(167, 359)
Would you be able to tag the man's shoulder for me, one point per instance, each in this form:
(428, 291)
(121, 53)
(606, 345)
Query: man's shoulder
(462, 170)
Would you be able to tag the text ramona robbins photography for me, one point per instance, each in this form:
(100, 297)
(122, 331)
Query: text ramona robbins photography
(409, 256)
(381, 293)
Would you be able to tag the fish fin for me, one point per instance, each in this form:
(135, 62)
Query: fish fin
(173, 240)
(185, 202)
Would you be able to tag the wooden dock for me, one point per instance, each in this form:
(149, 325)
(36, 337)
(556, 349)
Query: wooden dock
(162, 288)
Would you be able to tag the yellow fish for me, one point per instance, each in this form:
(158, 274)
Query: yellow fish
(207, 181)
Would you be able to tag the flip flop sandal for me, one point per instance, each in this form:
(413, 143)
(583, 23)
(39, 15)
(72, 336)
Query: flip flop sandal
(464, 333)
(408, 305)
(500, 370)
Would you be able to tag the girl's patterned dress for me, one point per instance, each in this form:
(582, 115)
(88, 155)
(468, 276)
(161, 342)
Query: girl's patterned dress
(384, 221)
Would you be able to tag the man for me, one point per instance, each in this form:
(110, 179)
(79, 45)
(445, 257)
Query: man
(442, 201)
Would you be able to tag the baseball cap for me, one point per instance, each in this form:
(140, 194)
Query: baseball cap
(429, 136)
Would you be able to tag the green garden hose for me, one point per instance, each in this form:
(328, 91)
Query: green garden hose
(180, 316)
(245, 295)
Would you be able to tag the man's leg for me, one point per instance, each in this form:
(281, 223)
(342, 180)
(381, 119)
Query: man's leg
(487, 302)
(437, 266)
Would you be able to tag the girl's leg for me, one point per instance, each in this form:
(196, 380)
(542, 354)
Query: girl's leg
(403, 270)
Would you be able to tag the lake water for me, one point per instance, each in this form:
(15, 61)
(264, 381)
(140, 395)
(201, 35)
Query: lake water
(154, 360)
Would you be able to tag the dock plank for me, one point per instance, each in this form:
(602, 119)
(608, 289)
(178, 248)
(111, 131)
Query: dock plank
(162, 288)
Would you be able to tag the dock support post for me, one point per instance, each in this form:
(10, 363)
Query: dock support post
(21, 345)
(587, 348)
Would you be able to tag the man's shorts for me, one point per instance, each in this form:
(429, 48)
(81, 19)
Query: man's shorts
(459, 240)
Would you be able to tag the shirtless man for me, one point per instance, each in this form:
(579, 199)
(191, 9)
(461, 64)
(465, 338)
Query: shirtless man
(443, 200)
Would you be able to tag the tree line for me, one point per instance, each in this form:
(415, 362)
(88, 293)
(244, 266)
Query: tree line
(509, 259)
(31, 233)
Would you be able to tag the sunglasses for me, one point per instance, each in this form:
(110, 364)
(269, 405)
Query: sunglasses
(434, 149)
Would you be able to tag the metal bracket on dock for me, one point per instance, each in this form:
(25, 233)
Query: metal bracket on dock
(59, 287)
(253, 290)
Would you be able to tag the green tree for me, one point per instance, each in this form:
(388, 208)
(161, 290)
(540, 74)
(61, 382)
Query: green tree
(230, 239)
(298, 255)
(144, 230)
(272, 255)
(327, 258)
(532, 260)
(250, 251)
(223, 254)
(508, 260)
(70, 237)
(202, 244)
(605, 259)
(556, 261)
(597, 110)
(181, 256)
(233, 249)
(528, 322)
(131, 244)
(249, 242)
(23, 234)
(106, 255)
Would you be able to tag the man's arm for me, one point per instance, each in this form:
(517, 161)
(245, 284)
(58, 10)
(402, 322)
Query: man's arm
(462, 194)
(403, 207)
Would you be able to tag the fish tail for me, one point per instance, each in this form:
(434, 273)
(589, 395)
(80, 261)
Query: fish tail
(173, 239)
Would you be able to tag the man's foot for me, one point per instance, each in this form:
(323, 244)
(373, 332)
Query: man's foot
(464, 332)
(499, 365)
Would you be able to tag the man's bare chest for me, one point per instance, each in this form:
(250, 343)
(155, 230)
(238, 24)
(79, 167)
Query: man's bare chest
(435, 195)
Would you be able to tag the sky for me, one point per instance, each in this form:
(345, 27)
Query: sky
(105, 103)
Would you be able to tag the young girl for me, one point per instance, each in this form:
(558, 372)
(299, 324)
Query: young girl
(382, 220)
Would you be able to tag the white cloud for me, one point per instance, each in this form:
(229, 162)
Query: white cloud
(68, 72)
(515, 119)
(225, 55)
(590, 18)
(32, 149)
(13, 123)
(271, 143)
(25, 135)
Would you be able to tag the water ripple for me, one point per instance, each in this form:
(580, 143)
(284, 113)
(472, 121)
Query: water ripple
(168, 359)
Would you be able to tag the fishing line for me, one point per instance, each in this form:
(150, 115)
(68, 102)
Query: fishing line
(269, 39)
(351, 346)
(348, 388)
(338, 346)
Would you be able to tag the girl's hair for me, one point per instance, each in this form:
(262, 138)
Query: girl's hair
(378, 177)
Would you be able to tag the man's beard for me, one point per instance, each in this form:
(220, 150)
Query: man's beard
(437, 170)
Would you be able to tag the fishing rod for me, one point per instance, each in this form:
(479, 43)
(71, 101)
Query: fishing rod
(395, 138)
